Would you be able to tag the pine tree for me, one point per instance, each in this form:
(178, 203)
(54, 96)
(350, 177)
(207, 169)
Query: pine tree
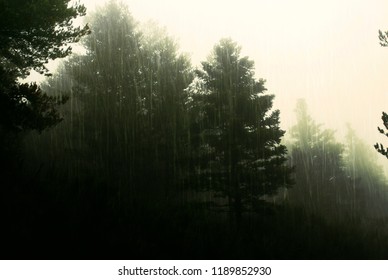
(234, 131)
(125, 116)
(317, 158)
(31, 34)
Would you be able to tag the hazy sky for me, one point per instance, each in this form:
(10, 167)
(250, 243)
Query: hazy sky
(327, 51)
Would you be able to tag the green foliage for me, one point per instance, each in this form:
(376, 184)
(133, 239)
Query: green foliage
(317, 156)
(33, 32)
(360, 159)
(383, 37)
(141, 128)
(338, 181)
(235, 134)
(125, 121)
(380, 147)
(25, 107)
(365, 175)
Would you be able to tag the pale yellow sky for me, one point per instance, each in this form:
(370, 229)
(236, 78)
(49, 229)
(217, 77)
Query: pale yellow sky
(324, 51)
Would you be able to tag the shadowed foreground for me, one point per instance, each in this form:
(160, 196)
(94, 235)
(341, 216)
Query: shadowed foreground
(37, 224)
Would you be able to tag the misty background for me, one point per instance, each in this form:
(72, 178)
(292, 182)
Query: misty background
(326, 52)
(195, 129)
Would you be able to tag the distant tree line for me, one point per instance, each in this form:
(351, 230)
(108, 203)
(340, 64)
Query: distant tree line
(143, 126)
(333, 179)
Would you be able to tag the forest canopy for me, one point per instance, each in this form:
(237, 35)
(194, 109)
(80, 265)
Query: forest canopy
(141, 110)
(32, 33)
(160, 158)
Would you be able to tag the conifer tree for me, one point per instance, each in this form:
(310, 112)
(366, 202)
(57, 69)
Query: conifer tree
(32, 33)
(125, 117)
(234, 130)
(317, 158)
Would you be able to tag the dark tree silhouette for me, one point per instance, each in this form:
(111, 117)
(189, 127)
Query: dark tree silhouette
(116, 177)
(380, 147)
(235, 132)
(126, 114)
(383, 37)
(31, 34)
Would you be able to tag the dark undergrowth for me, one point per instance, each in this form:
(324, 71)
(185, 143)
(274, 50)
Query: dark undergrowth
(40, 222)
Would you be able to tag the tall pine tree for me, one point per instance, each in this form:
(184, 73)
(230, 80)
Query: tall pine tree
(234, 131)
(124, 125)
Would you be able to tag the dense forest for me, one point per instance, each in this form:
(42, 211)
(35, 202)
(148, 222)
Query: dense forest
(128, 151)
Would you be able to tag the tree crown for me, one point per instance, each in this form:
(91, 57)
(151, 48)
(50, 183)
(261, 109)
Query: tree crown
(33, 32)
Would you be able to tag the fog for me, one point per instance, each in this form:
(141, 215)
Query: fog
(218, 151)
(324, 51)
